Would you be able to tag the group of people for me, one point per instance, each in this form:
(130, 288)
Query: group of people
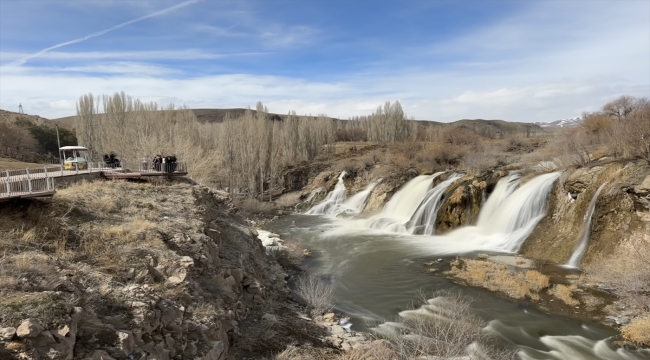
(164, 164)
(111, 160)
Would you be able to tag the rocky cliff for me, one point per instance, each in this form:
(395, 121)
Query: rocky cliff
(116, 270)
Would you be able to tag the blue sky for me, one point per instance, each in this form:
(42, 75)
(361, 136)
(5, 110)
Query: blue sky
(443, 59)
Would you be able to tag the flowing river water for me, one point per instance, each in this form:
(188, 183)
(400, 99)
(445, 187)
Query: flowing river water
(376, 265)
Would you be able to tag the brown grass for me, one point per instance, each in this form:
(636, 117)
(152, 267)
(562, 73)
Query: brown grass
(565, 293)
(458, 196)
(11, 164)
(499, 277)
(254, 206)
(638, 330)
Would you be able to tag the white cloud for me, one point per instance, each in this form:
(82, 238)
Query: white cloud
(520, 69)
(105, 31)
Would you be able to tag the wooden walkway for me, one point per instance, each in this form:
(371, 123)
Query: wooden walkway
(40, 182)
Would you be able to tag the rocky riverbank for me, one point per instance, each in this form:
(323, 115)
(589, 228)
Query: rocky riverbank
(120, 270)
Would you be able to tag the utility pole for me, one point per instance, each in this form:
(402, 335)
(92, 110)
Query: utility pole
(58, 142)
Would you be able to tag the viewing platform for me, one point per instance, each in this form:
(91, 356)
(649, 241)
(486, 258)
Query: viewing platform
(40, 182)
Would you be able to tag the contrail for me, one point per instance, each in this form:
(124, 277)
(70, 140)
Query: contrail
(102, 32)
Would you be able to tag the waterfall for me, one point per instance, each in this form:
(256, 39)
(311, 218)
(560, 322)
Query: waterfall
(313, 194)
(424, 219)
(579, 251)
(337, 196)
(504, 188)
(505, 221)
(355, 204)
(403, 204)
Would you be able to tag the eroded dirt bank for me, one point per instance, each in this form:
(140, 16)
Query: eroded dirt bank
(117, 270)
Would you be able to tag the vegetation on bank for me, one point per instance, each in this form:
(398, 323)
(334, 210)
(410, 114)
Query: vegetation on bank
(30, 138)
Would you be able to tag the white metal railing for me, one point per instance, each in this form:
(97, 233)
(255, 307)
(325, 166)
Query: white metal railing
(23, 182)
(30, 181)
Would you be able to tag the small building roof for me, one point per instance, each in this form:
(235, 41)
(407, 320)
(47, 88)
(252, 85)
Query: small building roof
(64, 148)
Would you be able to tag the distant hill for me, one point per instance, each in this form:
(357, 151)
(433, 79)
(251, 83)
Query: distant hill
(574, 121)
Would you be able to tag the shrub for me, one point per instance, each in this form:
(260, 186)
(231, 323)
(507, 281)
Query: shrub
(447, 330)
(638, 330)
(564, 293)
(318, 293)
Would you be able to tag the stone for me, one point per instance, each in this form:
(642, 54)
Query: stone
(643, 189)
(306, 253)
(173, 280)
(346, 346)
(329, 317)
(238, 274)
(29, 328)
(45, 338)
(126, 341)
(7, 333)
(64, 331)
(269, 318)
(216, 351)
(337, 330)
(101, 355)
(254, 290)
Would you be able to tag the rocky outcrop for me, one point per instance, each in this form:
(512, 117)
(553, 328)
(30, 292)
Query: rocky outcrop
(618, 218)
(461, 202)
(194, 285)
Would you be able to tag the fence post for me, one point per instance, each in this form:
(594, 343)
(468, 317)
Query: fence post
(76, 166)
(29, 182)
(47, 184)
(8, 184)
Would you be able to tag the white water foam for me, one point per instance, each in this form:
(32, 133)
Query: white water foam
(402, 205)
(579, 251)
(355, 204)
(337, 196)
(424, 219)
(504, 223)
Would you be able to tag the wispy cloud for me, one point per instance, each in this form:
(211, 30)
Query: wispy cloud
(112, 28)
(181, 54)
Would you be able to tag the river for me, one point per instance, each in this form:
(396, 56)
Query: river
(379, 273)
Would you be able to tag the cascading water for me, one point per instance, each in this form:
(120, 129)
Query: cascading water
(579, 251)
(504, 188)
(400, 208)
(337, 196)
(355, 204)
(504, 223)
(424, 219)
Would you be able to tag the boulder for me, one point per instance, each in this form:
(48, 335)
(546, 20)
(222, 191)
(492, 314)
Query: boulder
(29, 328)
(126, 341)
(7, 333)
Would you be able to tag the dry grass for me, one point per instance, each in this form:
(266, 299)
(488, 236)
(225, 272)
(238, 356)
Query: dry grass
(318, 293)
(638, 330)
(499, 277)
(458, 196)
(11, 164)
(254, 206)
(565, 293)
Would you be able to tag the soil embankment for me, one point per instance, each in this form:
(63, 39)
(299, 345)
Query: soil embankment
(131, 270)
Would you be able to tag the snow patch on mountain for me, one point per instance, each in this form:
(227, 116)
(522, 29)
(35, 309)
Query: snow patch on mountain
(574, 121)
